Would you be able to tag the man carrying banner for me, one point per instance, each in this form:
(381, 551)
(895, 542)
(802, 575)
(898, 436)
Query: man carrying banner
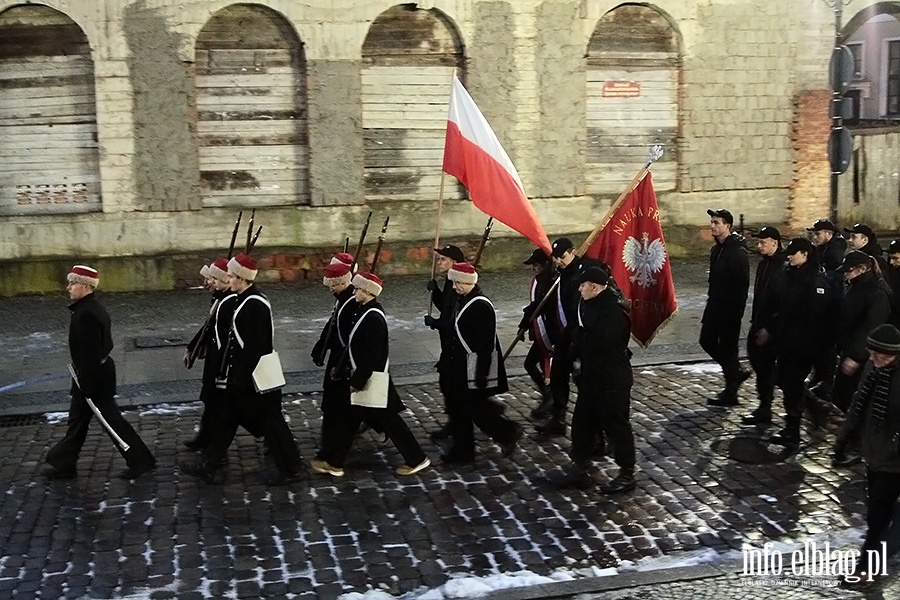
(541, 329)
(729, 284)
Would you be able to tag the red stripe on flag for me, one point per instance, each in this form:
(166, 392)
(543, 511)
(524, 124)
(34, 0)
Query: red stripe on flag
(493, 190)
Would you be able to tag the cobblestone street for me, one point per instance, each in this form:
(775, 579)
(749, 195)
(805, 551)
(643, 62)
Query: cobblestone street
(168, 536)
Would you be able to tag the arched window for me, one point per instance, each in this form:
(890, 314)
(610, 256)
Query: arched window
(632, 98)
(251, 110)
(49, 162)
(409, 56)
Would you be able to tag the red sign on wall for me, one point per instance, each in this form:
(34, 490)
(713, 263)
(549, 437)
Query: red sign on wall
(621, 89)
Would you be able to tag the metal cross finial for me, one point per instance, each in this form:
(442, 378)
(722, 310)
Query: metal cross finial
(656, 153)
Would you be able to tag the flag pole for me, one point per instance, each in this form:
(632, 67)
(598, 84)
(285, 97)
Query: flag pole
(656, 153)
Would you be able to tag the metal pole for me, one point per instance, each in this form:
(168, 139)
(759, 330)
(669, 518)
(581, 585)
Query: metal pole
(837, 112)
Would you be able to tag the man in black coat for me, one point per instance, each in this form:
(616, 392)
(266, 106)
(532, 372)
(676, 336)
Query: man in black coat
(729, 283)
(604, 379)
(206, 345)
(541, 329)
(893, 279)
(863, 238)
(444, 300)
(251, 337)
(472, 372)
(830, 246)
(364, 371)
(93, 385)
(763, 334)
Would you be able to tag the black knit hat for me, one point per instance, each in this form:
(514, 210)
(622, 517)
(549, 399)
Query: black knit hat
(884, 339)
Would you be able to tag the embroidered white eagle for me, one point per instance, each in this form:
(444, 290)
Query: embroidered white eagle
(645, 258)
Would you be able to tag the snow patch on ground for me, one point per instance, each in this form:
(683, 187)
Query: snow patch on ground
(701, 369)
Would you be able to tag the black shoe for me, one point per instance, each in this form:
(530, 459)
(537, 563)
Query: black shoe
(440, 434)
(817, 411)
(456, 458)
(845, 459)
(552, 428)
(743, 375)
(786, 437)
(195, 443)
(507, 448)
(198, 470)
(544, 409)
(623, 482)
(724, 398)
(56, 473)
(757, 417)
(135, 472)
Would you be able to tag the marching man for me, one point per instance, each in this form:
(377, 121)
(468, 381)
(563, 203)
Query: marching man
(93, 385)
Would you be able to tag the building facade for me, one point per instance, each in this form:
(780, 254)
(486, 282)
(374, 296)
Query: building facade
(133, 131)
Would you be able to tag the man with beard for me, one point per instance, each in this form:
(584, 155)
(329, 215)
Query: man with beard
(444, 300)
(473, 372)
(93, 385)
(763, 334)
(251, 337)
(210, 346)
(729, 282)
(803, 302)
(604, 378)
(830, 246)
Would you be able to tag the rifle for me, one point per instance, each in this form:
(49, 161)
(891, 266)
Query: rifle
(484, 238)
(347, 244)
(253, 242)
(329, 330)
(234, 233)
(198, 344)
(249, 232)
(379, 244)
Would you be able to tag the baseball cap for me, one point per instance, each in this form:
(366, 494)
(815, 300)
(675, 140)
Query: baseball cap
(823, 225)
(894, 247)
(855, 258)
(799, 245)
(768, 232)
(863, 229)
(594, 275)
(559, 247)
(722, 213)
(453, 252)
(538, 257)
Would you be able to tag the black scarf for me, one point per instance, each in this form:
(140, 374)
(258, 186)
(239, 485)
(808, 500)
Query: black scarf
(875, 389)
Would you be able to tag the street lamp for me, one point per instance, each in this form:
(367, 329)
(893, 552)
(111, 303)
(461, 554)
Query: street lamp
(840, 143)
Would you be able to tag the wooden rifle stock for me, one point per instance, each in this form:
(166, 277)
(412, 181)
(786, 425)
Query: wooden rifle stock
(234, 233)
(379, 245)
(485, 236)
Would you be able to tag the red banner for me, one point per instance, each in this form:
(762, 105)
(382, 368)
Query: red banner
(632, 244)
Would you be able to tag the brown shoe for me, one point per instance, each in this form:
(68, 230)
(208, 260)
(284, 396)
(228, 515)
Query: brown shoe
(408, 470)
(326, 468)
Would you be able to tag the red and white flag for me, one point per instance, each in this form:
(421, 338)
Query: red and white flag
(632, 244)
(473, 154)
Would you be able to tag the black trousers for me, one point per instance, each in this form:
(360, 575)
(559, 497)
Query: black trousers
(475, 409)
(883, 491)
(844, 387)
(258, 414)
(212, 400)
(64, 454)
(346, 426)
(824, 367)
(534, 365)
(719, 336)
(762, 360)
(603, 412)
(792, 372)
(560, 376)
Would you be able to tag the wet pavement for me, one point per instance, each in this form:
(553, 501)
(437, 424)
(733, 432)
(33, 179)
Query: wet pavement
(166, 535)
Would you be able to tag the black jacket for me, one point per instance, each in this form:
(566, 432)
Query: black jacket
(474, 331)
(803, 320)
(368, 351)
(879, 446)
(893, 278)
(874, 250)
(444, 300)
(567, 295)
(540, 285)
(90, 342)
(601, 343)
(831, 254)
(251, 339)
(205, 342)
(729, 278)
(865, 306)
(336, 394)
(766, 293)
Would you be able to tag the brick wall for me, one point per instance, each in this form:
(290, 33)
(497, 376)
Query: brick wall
(809, 198)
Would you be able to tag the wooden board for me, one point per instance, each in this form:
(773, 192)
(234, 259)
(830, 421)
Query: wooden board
(49, 158)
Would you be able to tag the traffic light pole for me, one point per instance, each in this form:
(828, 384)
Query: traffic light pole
(837, 113)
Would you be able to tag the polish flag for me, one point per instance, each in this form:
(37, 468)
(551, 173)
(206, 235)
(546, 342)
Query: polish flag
(473, 154)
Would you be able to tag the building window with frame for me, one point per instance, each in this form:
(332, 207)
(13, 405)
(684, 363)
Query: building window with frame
(858, 52)
(893, 79)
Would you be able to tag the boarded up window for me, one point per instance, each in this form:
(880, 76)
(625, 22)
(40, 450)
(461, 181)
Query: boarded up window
(252, 110)
(632, 99)
(48, 121)
(409, 57)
